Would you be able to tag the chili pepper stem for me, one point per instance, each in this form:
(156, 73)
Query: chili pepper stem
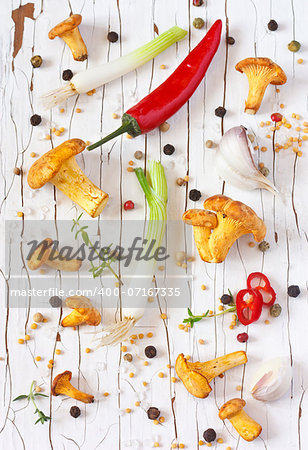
(121, 130)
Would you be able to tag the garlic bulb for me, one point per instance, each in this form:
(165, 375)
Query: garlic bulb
(234, 162)
(272, 380)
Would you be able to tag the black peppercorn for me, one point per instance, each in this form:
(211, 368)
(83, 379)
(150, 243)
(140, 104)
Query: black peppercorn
(55, 301)
(230, 40)
(75, 411)
(194, 195)
(35, 120)
(293, 291)
(226, 299)
(209, 435)
(112, 36)
(150, 351)
(272, 25)
(220, 111)
(67, 75)
(169, 149)
(153, 413)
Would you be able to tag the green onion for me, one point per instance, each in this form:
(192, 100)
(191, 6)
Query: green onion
(155, 188)
(89, 79)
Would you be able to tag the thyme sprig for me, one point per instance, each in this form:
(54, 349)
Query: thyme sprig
(42, 418)
(104, 256)
(192, 319)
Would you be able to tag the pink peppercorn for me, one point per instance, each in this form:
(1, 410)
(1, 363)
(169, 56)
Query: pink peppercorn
(129, 205)
(242, 337)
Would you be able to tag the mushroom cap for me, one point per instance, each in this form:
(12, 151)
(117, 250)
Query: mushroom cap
(238, 212)
(280, 76)
(231, 407)
(196, 383)
(200, 218)
(48, 165)
(67, 25)
(60, 380)
(35, 262)
(78, 301)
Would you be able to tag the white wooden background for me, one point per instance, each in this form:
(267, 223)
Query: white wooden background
(102, 425)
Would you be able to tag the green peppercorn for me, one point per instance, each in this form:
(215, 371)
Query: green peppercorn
(36, 61)
(275, 310)
(264, 171)
(294, 46)
(198, 23)
(263, 246)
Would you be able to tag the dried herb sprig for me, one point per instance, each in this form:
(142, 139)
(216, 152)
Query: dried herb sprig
(105, 258)
(192, 319)
(42, 418)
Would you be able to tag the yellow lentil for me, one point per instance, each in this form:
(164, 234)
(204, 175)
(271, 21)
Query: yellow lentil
(61, 110)
(155, 422)
(88, 350)
(173, 379)
(163, 316)
(145, 363)
(261, 124)
(128, 410)
(149, 335)
(156, 444)
(58, 351)
(141, 336)
(181, 326)
(162, 419)
(33, 326)
(266, 322)
(203, 287)
(144, 383)
(137, 403)
(161, 375)
(131, 375)
(251, 244)
(201, 341)
(27, 337)
(186, 178)
(130, 169)
(61, 129)
(47, 137)
(78, 110)
(106, 394)
(20, 214)
(181, 446)
(38, 358)
(268, 122)
(220, 440)
(20, 341)
(299, 153)
(239, 388)
(220, 308)
(115, 116)
(123, 348)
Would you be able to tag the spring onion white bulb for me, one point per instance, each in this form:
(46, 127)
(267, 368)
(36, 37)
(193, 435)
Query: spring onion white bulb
(155, 188)
(235, 164)
(272, 380)
(89, 79)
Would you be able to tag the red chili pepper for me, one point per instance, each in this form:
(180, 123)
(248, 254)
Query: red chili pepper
(170, 96)
(259, 281)
(248, 305)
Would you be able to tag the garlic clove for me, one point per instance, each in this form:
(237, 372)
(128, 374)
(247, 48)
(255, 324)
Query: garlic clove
(272, 380)
(235, 164)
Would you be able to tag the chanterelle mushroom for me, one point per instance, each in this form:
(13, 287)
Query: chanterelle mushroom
(59, 167)
(233, 410)
(203, 223)
(260, 73)
(83, 312)
(233, 219)
(69, 32)
(61, 385)
(197, 376)
(42, 255)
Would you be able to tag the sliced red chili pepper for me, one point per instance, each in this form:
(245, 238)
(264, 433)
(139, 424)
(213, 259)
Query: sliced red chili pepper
(258, 280)
(170, 96)
(268, 296)
(248, 305)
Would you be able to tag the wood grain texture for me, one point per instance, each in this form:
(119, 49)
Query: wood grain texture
(103, 425)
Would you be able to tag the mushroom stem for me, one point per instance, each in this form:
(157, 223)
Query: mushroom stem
(71, 180)
(223, 237)
(71, 265)
(217, 366)
(75, 42)
(257, 88)
(248, 428)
